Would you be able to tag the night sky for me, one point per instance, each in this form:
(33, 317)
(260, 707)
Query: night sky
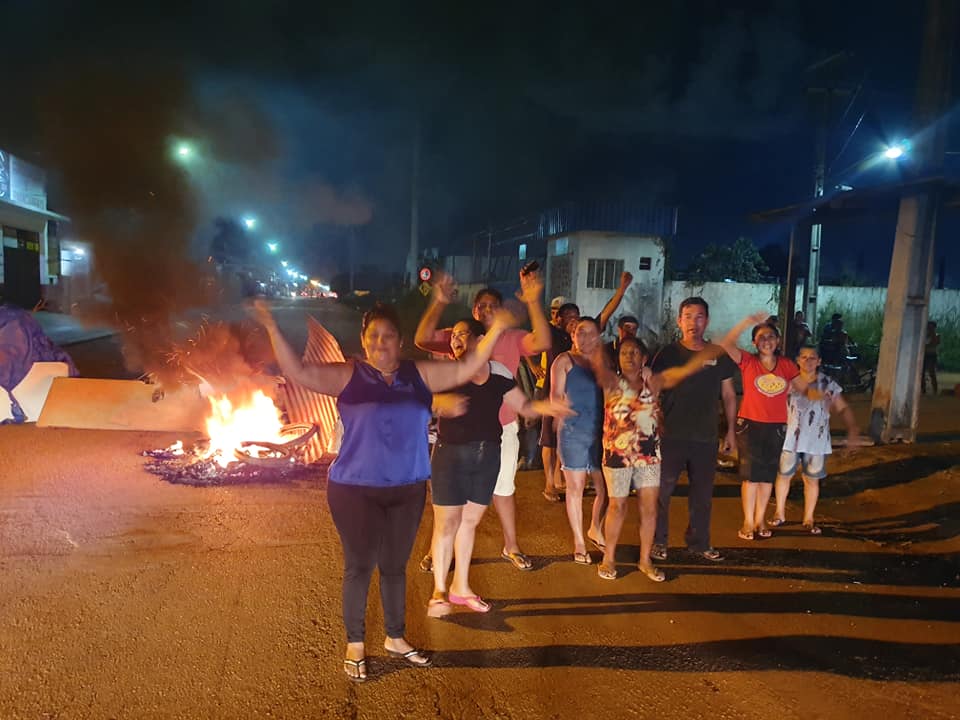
(306, 115)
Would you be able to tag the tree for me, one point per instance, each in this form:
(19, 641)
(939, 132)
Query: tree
(739, 262)
(775, 258)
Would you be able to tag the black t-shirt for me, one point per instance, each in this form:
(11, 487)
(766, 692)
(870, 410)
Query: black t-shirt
(690, 408)
(482, 419)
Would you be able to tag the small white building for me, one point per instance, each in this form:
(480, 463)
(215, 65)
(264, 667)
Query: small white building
(31, 255)
(585, 268)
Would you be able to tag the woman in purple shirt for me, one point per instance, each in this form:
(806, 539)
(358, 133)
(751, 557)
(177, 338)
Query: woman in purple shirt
(377, 485)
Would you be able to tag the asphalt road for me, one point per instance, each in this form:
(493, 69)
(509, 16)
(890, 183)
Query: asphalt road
(123, 596)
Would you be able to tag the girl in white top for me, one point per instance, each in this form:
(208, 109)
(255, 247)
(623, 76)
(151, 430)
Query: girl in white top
(807, 442)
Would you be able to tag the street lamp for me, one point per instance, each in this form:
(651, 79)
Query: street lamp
(250, 222)
(184, 151)
(272, 246)
(897, 151)
(284, 263)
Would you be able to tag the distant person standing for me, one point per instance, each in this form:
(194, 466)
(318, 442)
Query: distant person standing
(559, 343)
(689, 436)
(800, 330)
(930, 358)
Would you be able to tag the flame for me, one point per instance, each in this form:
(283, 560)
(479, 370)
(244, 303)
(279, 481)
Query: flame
(228, 426)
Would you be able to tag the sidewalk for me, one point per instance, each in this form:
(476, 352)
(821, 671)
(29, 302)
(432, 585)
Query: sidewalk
(66, 330)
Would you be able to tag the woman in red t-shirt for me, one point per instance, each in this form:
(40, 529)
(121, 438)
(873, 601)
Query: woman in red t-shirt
(761, 422)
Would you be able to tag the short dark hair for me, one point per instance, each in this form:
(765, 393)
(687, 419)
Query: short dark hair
(694, 300)
(761, 326)
(808, 346)
(380, 311)
(627, 319)
(568, 306)
(633, 340)
(476, 327)
(492, 292)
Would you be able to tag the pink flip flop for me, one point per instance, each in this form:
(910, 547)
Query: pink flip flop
(472, 602)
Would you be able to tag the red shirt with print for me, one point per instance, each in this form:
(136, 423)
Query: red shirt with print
(765, 391)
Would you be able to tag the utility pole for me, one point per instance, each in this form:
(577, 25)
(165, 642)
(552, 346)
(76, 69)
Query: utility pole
(414, 253)
(897, 392)
(831, 69)
(819, 182)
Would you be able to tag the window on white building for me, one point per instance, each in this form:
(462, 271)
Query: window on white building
(604, 274)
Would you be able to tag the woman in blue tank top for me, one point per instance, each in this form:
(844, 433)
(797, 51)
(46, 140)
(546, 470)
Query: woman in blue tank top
(377, 484)
(578, 437)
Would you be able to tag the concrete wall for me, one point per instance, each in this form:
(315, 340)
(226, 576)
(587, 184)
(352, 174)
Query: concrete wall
(730, 302)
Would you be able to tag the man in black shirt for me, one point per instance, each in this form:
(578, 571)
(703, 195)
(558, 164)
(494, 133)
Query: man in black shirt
(689, 436)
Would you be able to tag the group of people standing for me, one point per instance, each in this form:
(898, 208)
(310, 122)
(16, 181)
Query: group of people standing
(631, 422)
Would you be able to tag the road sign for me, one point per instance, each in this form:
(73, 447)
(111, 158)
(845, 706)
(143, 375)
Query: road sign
(425, 274)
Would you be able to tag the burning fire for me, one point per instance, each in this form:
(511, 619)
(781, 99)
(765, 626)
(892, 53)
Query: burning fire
(229, 426)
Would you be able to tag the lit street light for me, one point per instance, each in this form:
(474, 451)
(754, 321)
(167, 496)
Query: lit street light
(272, 246)
(284, 263)
(897, 151)
(184, 151)
(250, 222)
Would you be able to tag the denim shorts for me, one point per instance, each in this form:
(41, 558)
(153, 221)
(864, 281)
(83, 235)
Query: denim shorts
(814, 466)
(464, 473)
(579, 447)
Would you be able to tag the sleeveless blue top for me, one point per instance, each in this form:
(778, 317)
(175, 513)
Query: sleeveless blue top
(586, 400)
(384, 428)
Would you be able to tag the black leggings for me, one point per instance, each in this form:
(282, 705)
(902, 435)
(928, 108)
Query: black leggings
(377, 527)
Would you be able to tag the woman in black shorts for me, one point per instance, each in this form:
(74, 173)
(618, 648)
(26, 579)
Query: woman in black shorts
(465, 464)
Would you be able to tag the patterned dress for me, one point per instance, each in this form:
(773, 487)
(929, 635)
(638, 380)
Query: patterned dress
(631, 427)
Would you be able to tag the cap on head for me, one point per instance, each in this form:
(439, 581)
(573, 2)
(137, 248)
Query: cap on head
(624, 320)
(836, 316)
(557, 302)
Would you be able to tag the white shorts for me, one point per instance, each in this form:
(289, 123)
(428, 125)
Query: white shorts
(620, 481)
(509, 453)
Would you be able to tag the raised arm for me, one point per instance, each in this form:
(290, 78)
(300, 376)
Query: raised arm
(326, 378)
(614, 302)
(729, 342)
(443, 290)
(528, 408)
(440, 375)
(604, 374)
(670, 377)
(531, 290)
